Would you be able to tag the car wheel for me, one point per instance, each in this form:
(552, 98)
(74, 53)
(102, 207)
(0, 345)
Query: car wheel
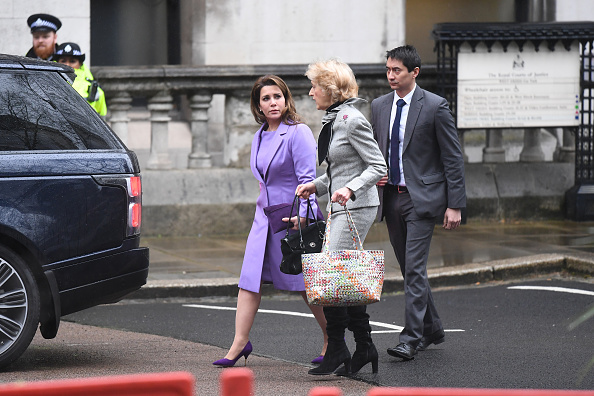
(19, 306)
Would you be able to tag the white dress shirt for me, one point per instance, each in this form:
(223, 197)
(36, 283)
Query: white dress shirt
(403, 117)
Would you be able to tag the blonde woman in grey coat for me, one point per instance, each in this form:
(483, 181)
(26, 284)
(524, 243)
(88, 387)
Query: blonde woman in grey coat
(355, 165)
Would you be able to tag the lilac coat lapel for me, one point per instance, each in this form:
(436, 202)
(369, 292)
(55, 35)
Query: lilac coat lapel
(269, 152)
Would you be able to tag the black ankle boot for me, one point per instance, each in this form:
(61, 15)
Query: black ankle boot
(336, 354)
(365, 353)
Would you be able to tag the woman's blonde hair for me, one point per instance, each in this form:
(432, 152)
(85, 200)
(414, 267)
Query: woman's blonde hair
(335, 78)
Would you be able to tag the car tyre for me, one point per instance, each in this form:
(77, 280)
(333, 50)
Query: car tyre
(19, 306)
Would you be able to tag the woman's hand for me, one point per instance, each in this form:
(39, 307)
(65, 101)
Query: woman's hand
(294, 222)
(341, 196)
(303, 191)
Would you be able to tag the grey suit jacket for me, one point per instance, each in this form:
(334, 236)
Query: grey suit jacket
(355, 159)
(432, 158)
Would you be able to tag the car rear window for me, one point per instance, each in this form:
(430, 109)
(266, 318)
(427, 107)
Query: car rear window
(41, 111)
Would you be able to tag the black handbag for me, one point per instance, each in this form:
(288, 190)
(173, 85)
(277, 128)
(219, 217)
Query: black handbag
(308, 240)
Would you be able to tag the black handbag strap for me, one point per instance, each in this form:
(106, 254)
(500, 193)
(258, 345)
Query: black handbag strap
(289, 224)
(307, 218)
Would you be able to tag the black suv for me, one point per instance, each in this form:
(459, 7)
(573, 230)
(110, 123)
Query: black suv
(70, 205)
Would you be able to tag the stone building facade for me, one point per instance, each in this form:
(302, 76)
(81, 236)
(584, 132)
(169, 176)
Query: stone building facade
(193, 140)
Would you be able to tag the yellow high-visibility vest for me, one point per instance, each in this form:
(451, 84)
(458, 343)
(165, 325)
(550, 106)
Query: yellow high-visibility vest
(84, 85)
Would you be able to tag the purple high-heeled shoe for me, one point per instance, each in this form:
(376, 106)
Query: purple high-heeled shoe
(245, 352)
(318, 360)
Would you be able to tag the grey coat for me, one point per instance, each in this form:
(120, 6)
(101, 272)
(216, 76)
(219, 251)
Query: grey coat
(355, 160)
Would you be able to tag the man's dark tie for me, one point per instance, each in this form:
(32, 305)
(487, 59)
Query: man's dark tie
(395, 145)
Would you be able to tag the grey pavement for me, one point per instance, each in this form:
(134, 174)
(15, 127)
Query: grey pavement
(202, 266)
(81, 351)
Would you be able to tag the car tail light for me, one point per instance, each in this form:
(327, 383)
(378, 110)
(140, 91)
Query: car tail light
(135, 204)
(134, 215)
(133, 187)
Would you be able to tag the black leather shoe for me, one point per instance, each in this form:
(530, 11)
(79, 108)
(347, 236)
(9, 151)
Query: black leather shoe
(435, 338)
(403, 351)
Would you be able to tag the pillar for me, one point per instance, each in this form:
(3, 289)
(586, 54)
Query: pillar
(159, 105)
(532, 151)
(566, 153)
(118, 110)
(200, 157)
(494, 151)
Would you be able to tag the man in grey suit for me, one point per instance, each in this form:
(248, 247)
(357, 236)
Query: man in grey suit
(425, 180)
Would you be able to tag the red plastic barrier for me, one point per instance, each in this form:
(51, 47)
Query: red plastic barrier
(158, 384)
(473, 392)
(325, 391)
(237, 382)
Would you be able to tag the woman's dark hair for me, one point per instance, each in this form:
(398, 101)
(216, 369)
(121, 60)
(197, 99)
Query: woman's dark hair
(289, 113)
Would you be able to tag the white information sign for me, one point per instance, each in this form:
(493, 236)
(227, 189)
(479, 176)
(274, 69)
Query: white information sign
(518, 89)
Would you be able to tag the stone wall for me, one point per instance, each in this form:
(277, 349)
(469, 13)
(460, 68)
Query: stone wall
(222, 201)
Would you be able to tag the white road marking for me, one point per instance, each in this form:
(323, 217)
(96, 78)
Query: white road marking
(289, 313)
(554, 289)
(393, 328)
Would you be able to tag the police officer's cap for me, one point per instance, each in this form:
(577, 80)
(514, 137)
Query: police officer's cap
(43, 23)
(69, 49)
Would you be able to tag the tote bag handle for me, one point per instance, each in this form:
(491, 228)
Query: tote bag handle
(357, 245)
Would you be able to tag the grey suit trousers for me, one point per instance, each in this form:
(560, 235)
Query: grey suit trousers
(410, 236)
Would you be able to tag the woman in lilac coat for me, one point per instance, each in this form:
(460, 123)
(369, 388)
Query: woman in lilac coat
(283, 156)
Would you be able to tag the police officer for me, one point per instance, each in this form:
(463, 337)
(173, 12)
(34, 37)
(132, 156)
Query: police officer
(71, 55)
(43, 28)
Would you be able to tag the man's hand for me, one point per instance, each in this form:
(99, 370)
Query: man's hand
(382, 182)
(452, 218)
